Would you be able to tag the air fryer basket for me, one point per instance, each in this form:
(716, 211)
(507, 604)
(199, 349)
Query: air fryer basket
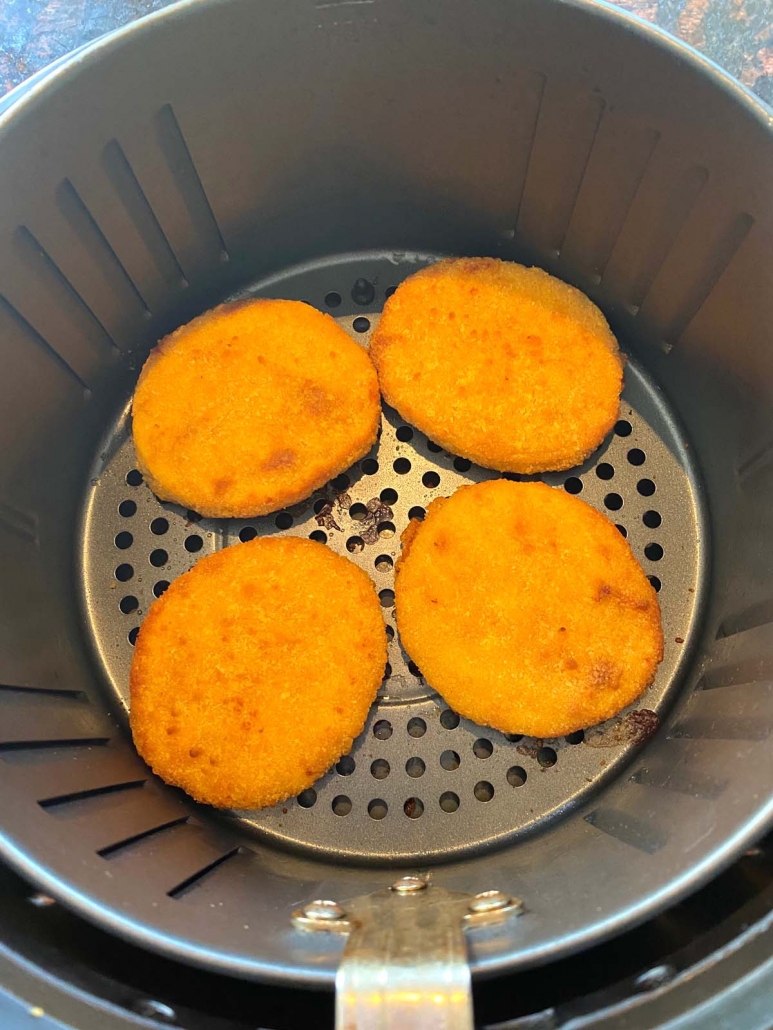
(325, 151)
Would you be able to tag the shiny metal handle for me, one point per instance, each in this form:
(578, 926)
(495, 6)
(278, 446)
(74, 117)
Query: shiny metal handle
(405, 962)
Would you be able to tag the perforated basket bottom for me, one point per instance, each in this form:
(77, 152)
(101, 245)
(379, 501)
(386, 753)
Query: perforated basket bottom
(419, 782)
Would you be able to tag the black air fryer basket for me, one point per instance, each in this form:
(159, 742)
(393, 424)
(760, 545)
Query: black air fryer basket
(324, 152)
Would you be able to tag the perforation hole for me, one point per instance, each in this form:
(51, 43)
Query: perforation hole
(636, 456)
(124, 540)
(621, 530)
(484, 791)
(387, 671)
(341, 483)
(546, 756)
(613, 502)
(415, 767)
(575, 738)
(248, 533)
(361, 324)
(389, 291)
(655, 583)
(430, 480)
(134, 478)
(401, 466)
(414, 669)
(386, 530)
(380, 769)
(283, 520)
(388, 496)
(158, 558)
(307, 798)
(653, 552)
(383, 563)
(358, 512)
(450, 760)
(646, 487)
(161, 587)
(434, 447)
(127, 509)
(124, 573)
(449, 802)
(483, 748)
(404, 434)
(605, 470)
(414, 808)
(516, 776)
(623, 428)
(355, 544)
(651, 519)
(387, 598)
(573, 485)
(319, 535)
(159, 526)
(193, 544)
(369, 466)
(129, 604)
(390, 632)
(345, 766)
(332, 299)
(132, 635)
(378, 808)
(462, 464)
(449, 720)
(513, 737)
(341, 805)
(417, 512)
(382, 729)
(417, 727)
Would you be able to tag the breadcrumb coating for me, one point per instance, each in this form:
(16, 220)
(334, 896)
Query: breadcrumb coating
(526, 609)
(254, 672)
(251, 407)
(499, 363)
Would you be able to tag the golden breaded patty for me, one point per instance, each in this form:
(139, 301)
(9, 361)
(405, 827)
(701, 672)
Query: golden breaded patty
(251, 407)
(255, 671)
(526, 609)
(499, 363)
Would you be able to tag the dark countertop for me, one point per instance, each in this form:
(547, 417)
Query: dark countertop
(737, 34)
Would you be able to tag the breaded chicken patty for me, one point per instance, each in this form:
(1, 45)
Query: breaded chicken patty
(254, 671)
(251, 407)
(526, 609)
(499, 363)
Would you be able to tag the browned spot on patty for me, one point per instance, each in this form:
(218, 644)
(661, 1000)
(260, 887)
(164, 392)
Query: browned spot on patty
(605, 675)
(283, 459)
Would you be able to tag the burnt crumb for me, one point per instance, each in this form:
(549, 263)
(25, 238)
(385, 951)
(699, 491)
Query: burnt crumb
(410, 807)
(679, 640)
(531, 750)
(376, 513)
(635, 728)
(324, 518)
(343, 501)
(284, 811)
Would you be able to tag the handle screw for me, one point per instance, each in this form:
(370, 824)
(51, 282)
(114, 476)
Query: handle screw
(409, 885)
(328, 910)
(490, 901)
